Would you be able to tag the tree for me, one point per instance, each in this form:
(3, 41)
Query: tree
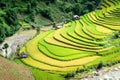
(29, 8)
(97, 53)
(46, 12)
(17, 50)
(5, 46)
(54, 25)
(98, 2)
(11, 17)
(53, 1)
(78, 9)
(90, 6)
(38, 29)
(100, 65)
(2, 4)
(2, 33)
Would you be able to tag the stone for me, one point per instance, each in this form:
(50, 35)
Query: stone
(116, 69)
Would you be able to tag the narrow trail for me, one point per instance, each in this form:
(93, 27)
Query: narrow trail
(106, 73)
(18, 38)
(109, 73)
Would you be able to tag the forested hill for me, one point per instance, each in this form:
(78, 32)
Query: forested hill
(13, 13)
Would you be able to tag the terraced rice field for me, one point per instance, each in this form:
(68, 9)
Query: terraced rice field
(83, 42)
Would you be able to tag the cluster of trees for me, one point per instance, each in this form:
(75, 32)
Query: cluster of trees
(49, 8)
(68, 7)
(79, 7)
(53, 10)
(8, 24)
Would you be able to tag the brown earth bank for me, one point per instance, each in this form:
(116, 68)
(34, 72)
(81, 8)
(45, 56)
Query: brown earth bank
(12, 71)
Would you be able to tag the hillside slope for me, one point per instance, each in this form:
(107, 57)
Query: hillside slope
(12, 71)
(18, 14)
(86, 42)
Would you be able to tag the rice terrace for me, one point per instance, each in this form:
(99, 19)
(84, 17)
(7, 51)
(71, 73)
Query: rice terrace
(87, 43)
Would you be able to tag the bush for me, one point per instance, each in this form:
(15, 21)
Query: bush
(47, 13)
(70, 74)
(11, 17)
(100, 65)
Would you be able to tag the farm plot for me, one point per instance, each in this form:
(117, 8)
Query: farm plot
(79, 43)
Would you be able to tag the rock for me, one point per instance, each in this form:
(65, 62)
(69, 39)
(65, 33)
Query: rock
(116, 69)
(96, 74)
(85, 79)
(100, 79)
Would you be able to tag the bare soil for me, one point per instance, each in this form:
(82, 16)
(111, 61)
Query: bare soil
(12, 71)
(19, 38)
(106, 73)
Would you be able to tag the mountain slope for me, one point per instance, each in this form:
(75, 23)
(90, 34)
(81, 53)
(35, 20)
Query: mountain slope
(80, 43)
(12, 71)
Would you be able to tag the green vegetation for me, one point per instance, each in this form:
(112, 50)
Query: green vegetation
(14, 14)
(40, 74)
(91, 42)
(88, 43)
(25, 25)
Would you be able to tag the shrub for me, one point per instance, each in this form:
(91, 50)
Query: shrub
(100, 65)
(47, 13)
(70, 74)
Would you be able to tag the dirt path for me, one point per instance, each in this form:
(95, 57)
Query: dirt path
(18, 38)
(107, 73)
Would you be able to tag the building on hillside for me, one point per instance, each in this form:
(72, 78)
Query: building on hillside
(58, 27)
(99, 7)
(23, 55)
(76, 17)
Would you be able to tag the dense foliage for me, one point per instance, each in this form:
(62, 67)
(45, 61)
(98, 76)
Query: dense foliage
(12, 10)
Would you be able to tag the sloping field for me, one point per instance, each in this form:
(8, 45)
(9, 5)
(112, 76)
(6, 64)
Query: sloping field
(84, 42)
(12, 71)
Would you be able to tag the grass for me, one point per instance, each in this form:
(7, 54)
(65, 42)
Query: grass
(66, 66)
(66, 36)
(103, 29)
(92, 27)
(106, 25)
(79, 43)
(37, 54)
(42, 21)
(56, 51)
(111, 51)
(86, 40)
(25, 25)
(40, 74)
(72, 34)
(58, 37)
(61, 57)
(52, 64)
(107, 59)
(89, 31)
(79, 31)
